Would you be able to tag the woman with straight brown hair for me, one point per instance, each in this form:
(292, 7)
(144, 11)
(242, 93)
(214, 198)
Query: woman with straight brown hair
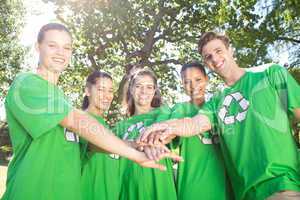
(144, 107)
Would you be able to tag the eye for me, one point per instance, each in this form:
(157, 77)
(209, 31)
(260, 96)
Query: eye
(219, 51)
(68, 48)
(207, 58)
(150, 87)
(137, 86)
(51, 45)
(187, 82)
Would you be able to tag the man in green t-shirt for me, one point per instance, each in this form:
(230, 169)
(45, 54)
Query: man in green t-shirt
(42, 122)
(251, 116)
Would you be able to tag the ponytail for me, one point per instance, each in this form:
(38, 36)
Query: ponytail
(85, 103)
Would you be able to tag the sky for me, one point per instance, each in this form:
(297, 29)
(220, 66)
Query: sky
(39, 13)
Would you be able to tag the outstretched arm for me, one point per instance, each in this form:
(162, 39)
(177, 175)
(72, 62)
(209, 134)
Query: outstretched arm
(88, 128)
(185, 127)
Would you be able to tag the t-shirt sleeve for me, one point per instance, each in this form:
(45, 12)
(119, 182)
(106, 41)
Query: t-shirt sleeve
(209, 111)
(286, 86)
(163, 114)
(37, 105)
(119, 128)
(177, 112)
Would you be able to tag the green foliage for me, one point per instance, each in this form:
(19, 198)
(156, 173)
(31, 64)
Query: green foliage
(295, 73)
(11, 53)
(115, 35)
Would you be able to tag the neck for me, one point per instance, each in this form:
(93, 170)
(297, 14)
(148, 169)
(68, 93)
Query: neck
(94, 110)
(233, 75)
(199, 102)
(48, 75)
(142, 109)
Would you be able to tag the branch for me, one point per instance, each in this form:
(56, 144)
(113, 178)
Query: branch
(289, 39)
(92, 59)
(149, 40)
(164, 62)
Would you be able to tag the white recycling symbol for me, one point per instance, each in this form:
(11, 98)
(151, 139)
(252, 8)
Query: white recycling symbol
(240, 116)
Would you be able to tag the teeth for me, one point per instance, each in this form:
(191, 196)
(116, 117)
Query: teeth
(58, 60)
(220, 64)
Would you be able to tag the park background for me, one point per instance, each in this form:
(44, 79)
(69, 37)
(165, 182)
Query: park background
(119, 35)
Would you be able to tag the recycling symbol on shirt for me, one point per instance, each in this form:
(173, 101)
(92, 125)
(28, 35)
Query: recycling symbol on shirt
(228, 100)
(139, 126)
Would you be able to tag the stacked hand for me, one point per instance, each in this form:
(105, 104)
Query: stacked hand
(159, 133)
(154, 154)
(152, 142)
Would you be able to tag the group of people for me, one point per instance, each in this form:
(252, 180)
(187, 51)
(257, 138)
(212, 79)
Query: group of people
(238, 145)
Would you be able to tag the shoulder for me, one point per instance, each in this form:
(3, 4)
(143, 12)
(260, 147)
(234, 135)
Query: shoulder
(180, 105)
(269, 68)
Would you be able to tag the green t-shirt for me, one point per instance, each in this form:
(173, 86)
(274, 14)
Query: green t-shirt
(100, 174)
(252, 117)
(46, 161)
(138, 182)
(202, 174)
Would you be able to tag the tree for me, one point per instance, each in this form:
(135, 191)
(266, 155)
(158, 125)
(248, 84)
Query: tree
(118, 35)
(11, 52)
(11, 56)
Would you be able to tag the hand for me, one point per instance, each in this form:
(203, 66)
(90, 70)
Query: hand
(153, 152)
(146, 162)
(154, 133)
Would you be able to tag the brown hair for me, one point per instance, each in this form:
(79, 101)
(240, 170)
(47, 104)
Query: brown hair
(92, 80)
(156, 101)
(192, 65)
(51, 26)
(209, 36)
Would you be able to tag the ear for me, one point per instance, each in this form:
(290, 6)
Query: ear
(87, 92)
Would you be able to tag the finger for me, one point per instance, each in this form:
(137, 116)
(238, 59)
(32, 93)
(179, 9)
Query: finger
(152, 164)
(140, 148)
(150, 139)
(157, 137)
(155, 153)
(166, 134)
(168, 139)
(153, 128)
(148, 153)
(166, 149)
(172, 156)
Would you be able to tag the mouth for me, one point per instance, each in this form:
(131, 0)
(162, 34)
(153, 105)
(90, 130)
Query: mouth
(59, 60)
(219, 65)
(106, 102)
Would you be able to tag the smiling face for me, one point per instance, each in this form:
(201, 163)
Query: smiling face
(194, 83)
(218, 57)
(55, 51)
(143, 91)
(100, 94)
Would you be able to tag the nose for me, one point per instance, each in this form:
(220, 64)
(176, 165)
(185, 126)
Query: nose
(143, 90)
(60, 50)
(193, 85)
(108, 95)
(214, 58)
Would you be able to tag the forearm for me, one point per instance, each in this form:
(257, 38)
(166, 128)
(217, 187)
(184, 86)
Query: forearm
(187, 127)
(89, 128)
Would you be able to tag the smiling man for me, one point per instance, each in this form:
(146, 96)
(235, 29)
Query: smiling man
(251, 117)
